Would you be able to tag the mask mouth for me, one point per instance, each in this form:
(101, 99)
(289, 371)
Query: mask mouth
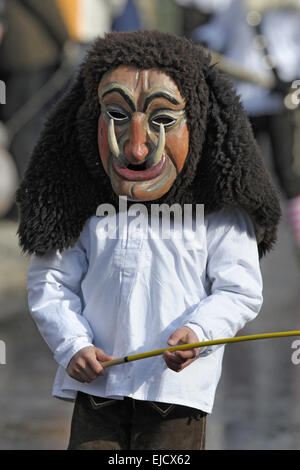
(139, 167)
(141, 172)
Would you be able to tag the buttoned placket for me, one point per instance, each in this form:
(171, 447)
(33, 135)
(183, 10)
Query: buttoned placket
(129, 261)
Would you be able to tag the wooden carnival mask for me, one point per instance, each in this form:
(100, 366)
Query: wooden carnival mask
(143, 137)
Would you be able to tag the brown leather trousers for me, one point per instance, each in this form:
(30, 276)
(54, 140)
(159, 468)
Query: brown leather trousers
(105, 424)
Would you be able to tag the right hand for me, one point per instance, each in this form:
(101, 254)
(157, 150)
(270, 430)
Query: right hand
(85, 366)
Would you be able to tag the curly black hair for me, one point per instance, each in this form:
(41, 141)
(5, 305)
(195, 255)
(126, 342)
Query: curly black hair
(65, 181)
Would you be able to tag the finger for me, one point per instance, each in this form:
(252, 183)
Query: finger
(172, 361)
(172, 357)
(102, 356)
(95, 366)
(79, 375)
(176, 367)
(172, 364)
(176, 363)
(188, 354)
(179, 357)
(175, 337)
(90, 372)
(97, 369)
(82, 367)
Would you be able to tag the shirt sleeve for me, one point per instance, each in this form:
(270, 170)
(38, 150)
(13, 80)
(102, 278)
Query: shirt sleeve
(55, 302)
(234, 276)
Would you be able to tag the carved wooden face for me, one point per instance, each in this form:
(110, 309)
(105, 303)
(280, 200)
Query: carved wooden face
(143, 137)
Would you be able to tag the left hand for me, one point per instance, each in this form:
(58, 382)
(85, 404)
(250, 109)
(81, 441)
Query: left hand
(178, 360)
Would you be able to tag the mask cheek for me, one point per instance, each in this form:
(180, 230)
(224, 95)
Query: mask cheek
(103, 145)
(177, 146)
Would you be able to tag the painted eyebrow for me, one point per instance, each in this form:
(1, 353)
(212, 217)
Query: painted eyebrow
(123, 94)
(159, 94)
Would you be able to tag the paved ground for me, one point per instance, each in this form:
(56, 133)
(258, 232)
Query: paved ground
(30, 418)
(257, 405)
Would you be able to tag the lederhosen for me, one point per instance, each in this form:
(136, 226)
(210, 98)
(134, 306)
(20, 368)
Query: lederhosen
(107, 424)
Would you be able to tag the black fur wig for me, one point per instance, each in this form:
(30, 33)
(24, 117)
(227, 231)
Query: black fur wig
(65, 180)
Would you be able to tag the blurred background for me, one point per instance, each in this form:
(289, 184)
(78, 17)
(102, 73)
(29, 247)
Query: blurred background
(257, 43)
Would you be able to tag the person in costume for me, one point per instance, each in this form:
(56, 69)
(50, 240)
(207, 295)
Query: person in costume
(150, 120)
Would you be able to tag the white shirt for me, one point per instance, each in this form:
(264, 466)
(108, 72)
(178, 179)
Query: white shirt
(128, 295)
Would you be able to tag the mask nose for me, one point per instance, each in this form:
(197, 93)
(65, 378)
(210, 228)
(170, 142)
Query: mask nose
(136, 149)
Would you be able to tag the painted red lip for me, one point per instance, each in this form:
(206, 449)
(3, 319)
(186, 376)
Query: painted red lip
(143, 175)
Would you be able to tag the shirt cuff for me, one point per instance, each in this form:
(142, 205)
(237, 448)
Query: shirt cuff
(201, 336)
(64, 354)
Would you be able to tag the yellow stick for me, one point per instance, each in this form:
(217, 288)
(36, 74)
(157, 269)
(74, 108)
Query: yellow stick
(184, 347)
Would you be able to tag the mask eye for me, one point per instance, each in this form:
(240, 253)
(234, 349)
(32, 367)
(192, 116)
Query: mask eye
(117, 116)
(166, 121)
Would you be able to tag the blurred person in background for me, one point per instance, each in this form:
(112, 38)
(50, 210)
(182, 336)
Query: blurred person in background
(263, 37)
(176, 16)
(129, 19)
(8, 172)
(194, 13)
(30, 52)
(38, 57)
(2, 18)
(86, 19)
